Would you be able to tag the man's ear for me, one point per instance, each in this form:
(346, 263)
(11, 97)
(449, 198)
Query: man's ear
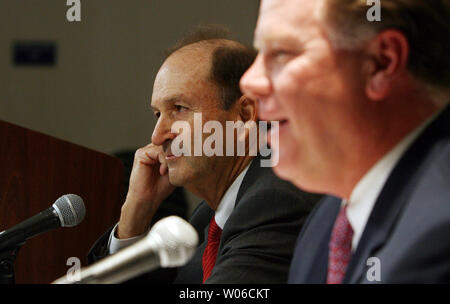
(248, 113)
(247, 108)
(388, 59)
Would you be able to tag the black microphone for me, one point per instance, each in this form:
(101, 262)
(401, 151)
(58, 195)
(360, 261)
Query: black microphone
(67, 211)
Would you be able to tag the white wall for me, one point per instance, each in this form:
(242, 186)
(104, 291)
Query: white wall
(98, 93)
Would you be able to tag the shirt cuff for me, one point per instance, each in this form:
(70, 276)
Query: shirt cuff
(116, 244)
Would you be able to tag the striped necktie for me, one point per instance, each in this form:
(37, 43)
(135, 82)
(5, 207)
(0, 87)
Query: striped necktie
(340, 248)
(210, 253)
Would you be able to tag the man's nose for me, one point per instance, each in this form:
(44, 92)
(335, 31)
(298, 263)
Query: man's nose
(162, 132)
(255, 83)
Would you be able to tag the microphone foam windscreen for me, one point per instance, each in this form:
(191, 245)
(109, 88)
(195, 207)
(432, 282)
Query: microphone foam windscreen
(70, 209)
(175, 239)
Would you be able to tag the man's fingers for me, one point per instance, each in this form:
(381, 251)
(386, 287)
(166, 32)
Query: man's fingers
(162, 160)
(147, 154)
(147, 159)
(152, 151)
(152, 155)
(163, 169)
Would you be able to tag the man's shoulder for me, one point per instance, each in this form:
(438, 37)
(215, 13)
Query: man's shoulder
(430, 187)
(423, 221)
(262, 182)
(422, 175)
(263, 197)
(420, 235)
(429, 181)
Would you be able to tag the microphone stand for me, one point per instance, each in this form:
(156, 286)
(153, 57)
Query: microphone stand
(8, 254)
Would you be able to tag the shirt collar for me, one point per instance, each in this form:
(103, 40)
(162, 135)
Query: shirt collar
(228, 200)
(366, 191)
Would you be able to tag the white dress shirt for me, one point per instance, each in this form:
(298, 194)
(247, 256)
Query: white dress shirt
(366, 191)
(228, 200)
(221, 216)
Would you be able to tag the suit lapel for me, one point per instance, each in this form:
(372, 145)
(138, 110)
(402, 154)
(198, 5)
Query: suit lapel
(249, 178)
(394, 195)
(310, 261)
(379, 225)
(192, 272)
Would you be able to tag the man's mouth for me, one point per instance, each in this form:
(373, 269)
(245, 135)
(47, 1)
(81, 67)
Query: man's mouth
(283, 122)
(169, 156)
(280, 122)
(275, 131)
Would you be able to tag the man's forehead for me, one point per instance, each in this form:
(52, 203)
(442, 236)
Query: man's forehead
(181, 70)
(177, 86)
(168, 100)
(291, 7)
(180, 80)
(280, 20)
(187, 61)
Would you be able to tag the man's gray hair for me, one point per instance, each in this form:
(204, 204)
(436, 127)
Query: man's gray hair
(425, 23)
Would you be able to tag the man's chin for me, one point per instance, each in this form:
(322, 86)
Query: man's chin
(292, 172)
(282, 171)
(287, 170)
(176, 179)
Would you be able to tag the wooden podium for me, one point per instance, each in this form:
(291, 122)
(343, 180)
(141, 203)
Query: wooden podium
(35, 170)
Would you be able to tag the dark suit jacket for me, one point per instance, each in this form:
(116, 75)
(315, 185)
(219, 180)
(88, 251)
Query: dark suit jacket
(408, 229)
(258, 238)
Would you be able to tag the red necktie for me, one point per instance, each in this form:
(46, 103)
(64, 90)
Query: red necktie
(340, 248)
(210, 253)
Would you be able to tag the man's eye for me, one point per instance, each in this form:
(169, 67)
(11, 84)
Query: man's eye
(280, 55)
(276, 59)
(180, 108)
(157, 114)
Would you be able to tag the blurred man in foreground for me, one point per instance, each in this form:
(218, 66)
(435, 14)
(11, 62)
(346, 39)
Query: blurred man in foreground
(250, 219)
(364, 117)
